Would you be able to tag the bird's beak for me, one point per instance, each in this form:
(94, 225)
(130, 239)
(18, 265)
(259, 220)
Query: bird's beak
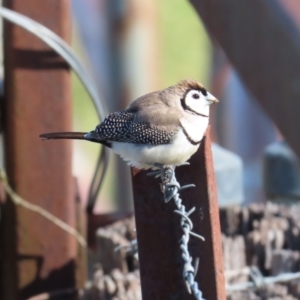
(212, 99)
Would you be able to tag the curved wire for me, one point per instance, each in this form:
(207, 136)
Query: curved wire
(66, 52)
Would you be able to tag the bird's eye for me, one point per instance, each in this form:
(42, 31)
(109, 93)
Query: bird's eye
(195, 96)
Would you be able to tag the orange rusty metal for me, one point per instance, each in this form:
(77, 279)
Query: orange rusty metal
(159, 231)
(37, 256)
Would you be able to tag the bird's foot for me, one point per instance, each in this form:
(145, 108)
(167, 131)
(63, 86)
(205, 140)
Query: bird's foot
(165, 172)
(169, 185)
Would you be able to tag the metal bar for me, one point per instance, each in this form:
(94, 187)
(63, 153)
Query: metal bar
(158, 231)
(81, 226)
(37, 256)
(261, 39)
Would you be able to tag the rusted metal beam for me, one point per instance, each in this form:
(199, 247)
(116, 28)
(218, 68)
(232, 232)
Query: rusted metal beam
(37, 256)
(261, 39)
(159, 231)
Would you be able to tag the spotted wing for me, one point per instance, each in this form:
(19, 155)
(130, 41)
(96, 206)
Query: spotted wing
(122, 127)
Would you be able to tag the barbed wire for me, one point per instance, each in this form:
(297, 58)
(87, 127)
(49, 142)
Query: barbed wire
(131, 248)
(171, 188)
(258, 280)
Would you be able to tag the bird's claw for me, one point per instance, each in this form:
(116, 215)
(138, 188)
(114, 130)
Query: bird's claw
(169, 186)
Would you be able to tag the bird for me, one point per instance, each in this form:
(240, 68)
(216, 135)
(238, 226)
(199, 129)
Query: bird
(162, 128)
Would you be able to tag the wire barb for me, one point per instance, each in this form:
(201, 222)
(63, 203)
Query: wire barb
(255, 284)
(170, 188)
(187, 186)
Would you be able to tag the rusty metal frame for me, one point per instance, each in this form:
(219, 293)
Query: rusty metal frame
(36, 255)
(261, 40)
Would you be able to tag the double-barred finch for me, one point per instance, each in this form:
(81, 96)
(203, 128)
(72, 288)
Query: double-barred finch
(163, 127)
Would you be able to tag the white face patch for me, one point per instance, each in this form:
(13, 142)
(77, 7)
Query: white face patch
(195, 101)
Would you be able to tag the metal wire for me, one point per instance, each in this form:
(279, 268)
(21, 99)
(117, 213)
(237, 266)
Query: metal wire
(65, 51)
(17, 200)
(131, 248)
(260, 281)
(66, 293)
(170, 189)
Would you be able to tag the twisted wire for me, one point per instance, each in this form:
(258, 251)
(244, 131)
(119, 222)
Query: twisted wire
(262, 281)
(171, 188)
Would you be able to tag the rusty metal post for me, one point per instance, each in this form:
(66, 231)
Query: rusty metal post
(36, 255)
(159, 232)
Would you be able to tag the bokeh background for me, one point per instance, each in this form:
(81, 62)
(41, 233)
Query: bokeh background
(157, 47)
(246, 54)
(133, 48)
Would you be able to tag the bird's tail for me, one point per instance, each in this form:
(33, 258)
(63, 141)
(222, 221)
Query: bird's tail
(63, 135)
(88, 136)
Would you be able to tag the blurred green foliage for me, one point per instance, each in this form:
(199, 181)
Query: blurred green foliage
(185, 49)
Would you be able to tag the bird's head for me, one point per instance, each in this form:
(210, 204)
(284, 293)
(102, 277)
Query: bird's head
(194, 97)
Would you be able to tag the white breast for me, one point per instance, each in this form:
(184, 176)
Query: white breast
(143, 157)
(195, 126)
